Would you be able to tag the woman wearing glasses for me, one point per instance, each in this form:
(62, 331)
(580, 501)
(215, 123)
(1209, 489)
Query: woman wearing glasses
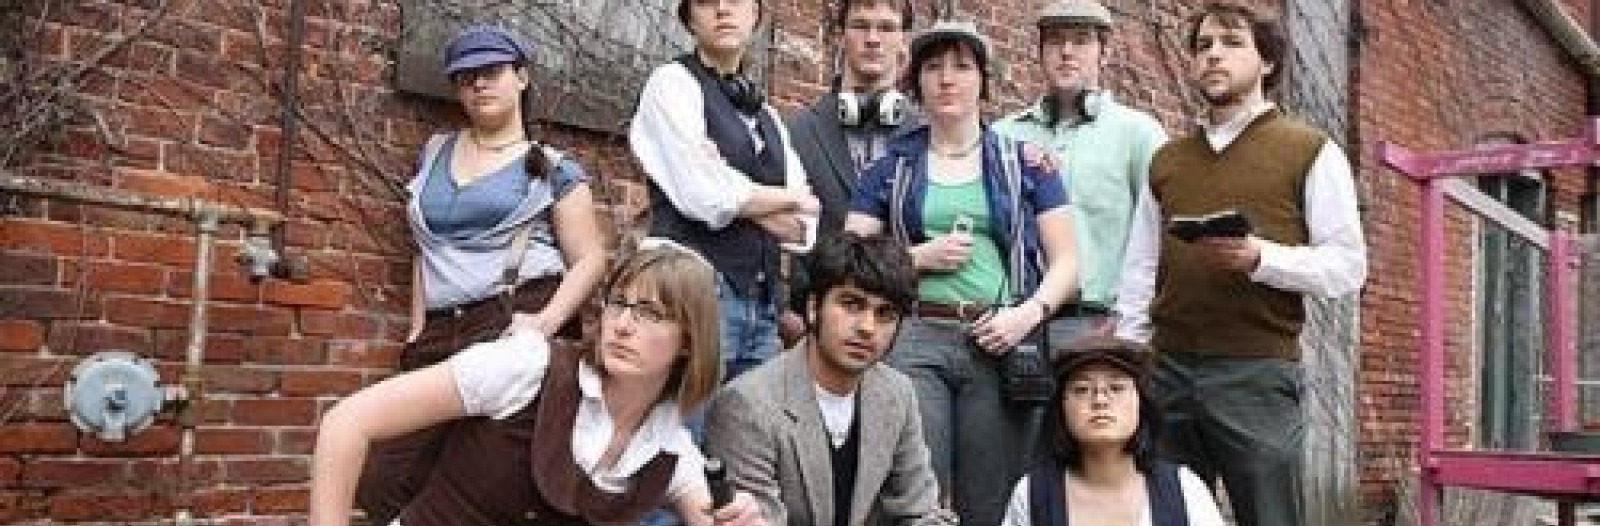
(595, 437)
(506, 238)
(1103, 467)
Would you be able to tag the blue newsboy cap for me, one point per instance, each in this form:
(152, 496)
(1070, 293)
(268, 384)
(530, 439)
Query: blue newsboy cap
(483, 45)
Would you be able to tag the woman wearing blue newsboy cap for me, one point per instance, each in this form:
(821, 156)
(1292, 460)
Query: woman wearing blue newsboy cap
(507, 240)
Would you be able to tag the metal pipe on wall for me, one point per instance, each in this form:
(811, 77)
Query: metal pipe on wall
(208, 217)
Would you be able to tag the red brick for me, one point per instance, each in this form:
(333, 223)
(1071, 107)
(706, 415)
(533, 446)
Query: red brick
(319, 294)
(296, 441)
(30, 269)
(339, 325)
(220, 347)
(223, 133)
(112, 276)
(365, 355)
(314, 383)
(45, 304)
(68, 473)
(20, 506)
(232, 441)
(20, 335)
(242, 380)
(218, 502)
(9, 469)
(267, 471)
(169, 250)
(31, 371)
(97, 506)
(50, 238)
(146, 313)
(286, 351)
(92, 337)
(155, 182)
(228, 286)
(274, 412)
(38, 438)
(282, 500)
(250, 320)
(154, 440)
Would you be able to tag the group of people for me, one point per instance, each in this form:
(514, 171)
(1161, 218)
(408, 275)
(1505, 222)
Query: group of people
(994, 322)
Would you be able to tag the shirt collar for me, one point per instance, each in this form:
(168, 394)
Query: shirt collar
(1220, 135)
(656, 433)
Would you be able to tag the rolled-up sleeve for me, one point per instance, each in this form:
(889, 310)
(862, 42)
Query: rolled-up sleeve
(871, 196)
(668, 137)
(498, 378)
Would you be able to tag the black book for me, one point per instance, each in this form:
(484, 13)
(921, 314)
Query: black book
(1222, 223)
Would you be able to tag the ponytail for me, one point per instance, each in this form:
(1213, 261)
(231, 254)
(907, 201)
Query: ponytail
(537, 164)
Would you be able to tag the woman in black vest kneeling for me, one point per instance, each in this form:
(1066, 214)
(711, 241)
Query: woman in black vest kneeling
(591, 438)
(1103, 467)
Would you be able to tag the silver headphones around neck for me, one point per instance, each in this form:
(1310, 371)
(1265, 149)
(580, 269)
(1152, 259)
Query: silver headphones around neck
(887, 108)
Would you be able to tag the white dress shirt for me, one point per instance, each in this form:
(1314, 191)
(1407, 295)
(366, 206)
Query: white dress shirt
(1333, 264)
(668, 136)
(499, 378)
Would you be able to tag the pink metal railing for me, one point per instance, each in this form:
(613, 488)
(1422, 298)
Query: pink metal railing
(1547, 474)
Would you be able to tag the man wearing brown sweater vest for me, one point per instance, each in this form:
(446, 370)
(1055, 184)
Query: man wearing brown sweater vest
(1225, 313)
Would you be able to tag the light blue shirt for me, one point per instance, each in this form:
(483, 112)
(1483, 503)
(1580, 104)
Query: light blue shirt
(466, 260)
(1107, 160)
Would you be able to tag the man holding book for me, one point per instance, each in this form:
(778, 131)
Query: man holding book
(1224, 311)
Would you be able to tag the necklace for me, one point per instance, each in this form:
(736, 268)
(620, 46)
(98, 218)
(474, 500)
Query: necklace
(960, 153)
(494, 148)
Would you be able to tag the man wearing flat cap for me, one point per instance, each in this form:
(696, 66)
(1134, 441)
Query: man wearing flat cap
(1104, 148)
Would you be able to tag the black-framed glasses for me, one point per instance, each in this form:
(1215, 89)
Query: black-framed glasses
(649, 311)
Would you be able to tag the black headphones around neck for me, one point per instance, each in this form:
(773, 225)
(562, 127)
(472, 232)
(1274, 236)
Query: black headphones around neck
(887, 108)
(745, 94)
(1052, 111)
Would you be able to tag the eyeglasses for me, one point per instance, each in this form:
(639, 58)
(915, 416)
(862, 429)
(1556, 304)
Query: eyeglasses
(468, 77)
(1084, 390)
(868, 25)
(648, 311)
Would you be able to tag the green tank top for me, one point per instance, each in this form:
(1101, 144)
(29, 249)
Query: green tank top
(983, 274)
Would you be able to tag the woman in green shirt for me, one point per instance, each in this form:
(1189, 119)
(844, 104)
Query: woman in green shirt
(992, 239)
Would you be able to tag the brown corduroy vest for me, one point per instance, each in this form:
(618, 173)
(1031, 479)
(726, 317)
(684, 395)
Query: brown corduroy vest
(520, 470)
(1199, 306)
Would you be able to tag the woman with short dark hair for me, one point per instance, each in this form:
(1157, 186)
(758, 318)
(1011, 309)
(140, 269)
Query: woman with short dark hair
(992, 239)
(1103, 467)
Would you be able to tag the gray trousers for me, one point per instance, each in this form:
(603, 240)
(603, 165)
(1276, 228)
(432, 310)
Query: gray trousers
(1240, 420)
(975, 437)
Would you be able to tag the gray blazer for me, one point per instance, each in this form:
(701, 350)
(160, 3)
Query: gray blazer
(767, 429)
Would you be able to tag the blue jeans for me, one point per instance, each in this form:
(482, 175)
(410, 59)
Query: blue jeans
(749, 328)
(976, 438)
(749, 332)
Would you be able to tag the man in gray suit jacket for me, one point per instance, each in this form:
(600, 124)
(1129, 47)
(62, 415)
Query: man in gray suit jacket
(827, 435)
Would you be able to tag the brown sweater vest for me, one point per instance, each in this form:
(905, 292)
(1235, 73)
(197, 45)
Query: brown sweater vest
(1200, 306)
(520, 470)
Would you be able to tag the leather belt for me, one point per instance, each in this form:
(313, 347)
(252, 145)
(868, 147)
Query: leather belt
(964, 311)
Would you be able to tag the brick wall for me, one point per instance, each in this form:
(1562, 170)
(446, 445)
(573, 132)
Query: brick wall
(190, 108)
(1438, 75)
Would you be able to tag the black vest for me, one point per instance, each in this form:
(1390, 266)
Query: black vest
(846, 461)
(1048, 507)
(742, 251)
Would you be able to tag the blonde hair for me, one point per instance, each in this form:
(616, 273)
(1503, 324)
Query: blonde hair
(685, 284)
